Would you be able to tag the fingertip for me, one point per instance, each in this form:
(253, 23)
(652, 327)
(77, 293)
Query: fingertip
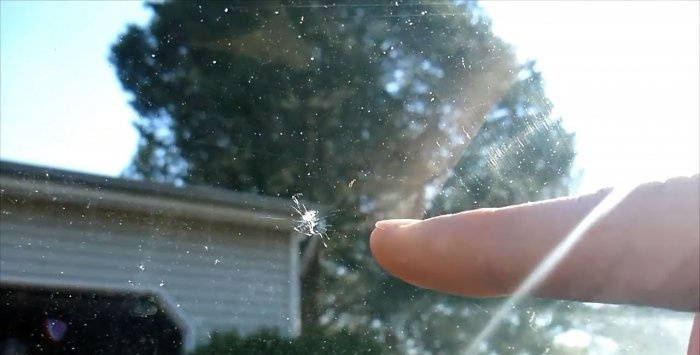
(394, 223)
(392, 245)
(373, 240)
(383, 239)
(378, 243)
(436, 253)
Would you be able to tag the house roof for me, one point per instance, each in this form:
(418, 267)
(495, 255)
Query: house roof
(37, 183)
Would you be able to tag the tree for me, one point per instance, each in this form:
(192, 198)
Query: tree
(363, 108)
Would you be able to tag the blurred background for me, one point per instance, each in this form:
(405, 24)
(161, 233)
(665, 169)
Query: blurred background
(376, 110)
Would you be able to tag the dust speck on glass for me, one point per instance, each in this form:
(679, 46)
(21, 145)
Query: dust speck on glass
(251, 121)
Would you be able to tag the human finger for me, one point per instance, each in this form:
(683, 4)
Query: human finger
(644, 251)
(694, 344)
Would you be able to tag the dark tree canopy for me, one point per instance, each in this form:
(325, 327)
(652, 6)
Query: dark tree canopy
(372, 110)
(284, 99)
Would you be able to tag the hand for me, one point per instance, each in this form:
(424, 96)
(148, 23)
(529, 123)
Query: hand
(646, 251)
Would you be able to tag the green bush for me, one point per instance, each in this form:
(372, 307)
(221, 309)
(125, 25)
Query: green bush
(270, 343)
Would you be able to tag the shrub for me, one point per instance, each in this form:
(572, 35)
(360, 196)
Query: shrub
(271, 343)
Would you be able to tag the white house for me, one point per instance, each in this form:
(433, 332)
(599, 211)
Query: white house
(82, 254)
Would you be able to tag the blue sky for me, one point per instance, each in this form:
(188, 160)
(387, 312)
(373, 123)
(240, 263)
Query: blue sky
(61, 103)
(623, 76)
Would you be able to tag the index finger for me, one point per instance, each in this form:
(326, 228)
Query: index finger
(645, 251)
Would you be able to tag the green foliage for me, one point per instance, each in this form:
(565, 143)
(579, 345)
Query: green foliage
(270, 343)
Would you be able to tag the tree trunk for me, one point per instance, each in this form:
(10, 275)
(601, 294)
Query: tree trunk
(310, 288)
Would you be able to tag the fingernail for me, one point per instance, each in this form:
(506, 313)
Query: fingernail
(394, 223)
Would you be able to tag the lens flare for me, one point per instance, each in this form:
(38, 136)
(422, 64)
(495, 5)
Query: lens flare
(55, 329)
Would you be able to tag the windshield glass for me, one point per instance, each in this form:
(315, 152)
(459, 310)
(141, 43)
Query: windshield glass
(203, 177)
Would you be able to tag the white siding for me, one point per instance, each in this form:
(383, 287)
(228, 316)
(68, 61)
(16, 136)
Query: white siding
(217, 276)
